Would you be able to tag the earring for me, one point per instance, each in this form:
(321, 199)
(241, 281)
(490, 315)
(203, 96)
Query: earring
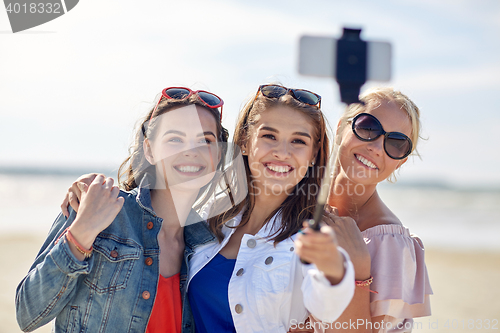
(312, 163)
(244, 151)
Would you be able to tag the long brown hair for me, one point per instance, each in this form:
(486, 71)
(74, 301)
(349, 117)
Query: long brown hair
(299, 204)
(135, 166)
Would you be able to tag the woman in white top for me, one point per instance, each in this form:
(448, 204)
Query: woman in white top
(283, 139)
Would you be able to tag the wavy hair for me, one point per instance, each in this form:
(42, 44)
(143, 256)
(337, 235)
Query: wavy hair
(300, 204)
(135, 166)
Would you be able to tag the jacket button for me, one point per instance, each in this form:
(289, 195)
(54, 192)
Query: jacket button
(240, 272)
(149, 261)
(238, 308)
(146, 295)
(291, 249)
(269, 260)
(113, 254)
(251, 243)
(150, 225)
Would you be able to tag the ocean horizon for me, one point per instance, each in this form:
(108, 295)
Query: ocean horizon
(442, 215)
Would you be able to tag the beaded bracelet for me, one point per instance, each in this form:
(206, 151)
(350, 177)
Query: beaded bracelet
(366, 283)
(79, 247)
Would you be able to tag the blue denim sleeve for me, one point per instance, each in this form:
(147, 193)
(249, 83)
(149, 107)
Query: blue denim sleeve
(51, 281)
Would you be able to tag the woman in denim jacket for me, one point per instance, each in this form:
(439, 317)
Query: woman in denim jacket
(116, 267)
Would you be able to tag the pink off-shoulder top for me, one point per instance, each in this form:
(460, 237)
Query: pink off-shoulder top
(399, 276)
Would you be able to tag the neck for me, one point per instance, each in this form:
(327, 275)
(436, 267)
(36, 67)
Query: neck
(349, 197)
(173, 207)
(264, 205)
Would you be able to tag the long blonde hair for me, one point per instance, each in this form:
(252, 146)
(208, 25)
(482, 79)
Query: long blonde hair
(376, 96)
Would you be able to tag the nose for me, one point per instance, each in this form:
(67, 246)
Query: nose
(192, 149)
(281, 151)
(377, 145)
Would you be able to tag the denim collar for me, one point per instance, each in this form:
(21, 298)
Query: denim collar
(195, 234)
(144, 194)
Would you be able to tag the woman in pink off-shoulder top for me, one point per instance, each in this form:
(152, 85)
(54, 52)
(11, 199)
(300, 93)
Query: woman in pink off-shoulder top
(374, 140)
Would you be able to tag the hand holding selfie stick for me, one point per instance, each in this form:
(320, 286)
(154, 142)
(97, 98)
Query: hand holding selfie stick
(351, 61)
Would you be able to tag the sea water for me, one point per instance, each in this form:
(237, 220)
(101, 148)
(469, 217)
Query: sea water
(442, 217)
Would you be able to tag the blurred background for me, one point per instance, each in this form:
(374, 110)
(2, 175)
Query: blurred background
(72, 90)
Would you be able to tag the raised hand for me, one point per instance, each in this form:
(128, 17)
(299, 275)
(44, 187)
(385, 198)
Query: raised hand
(320, 248)
(74, 193)
(99, 206)
(350, 239)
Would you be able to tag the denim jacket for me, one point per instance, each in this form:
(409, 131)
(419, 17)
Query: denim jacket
(112, 291)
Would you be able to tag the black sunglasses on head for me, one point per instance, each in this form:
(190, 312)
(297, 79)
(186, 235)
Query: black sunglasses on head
(301, 95)
(368, 128)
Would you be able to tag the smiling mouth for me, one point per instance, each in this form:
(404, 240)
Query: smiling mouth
(189, 169)
(365, 162)
(279, 169)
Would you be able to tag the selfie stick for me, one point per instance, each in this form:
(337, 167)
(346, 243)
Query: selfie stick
(350, 73)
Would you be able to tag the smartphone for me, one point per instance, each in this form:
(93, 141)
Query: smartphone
(318, 56)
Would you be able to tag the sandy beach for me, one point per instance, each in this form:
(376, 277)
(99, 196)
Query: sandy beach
(465, 285)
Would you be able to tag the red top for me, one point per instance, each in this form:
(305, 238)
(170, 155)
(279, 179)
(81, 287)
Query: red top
(166, 316)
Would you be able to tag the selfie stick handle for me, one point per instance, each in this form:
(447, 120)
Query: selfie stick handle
(314, 223)
(350, 69)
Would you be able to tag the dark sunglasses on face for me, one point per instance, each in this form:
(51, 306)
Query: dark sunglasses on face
(368, 128)
(210, 100)
(301, 95)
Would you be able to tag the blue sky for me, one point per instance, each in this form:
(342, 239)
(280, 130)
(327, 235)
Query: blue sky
(71, 90)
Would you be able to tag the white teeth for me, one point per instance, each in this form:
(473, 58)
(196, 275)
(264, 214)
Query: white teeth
(366, 162)
(279, 168)
(188, 168)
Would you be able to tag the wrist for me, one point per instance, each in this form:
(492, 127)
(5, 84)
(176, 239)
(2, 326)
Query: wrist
(79, 251)
(83, 234)
(362, 269)
(362, 274)
(336, 276)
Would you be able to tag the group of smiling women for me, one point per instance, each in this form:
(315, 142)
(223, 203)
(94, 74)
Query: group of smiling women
(159, 254)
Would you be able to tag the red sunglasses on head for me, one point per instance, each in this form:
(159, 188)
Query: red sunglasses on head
(210, 100)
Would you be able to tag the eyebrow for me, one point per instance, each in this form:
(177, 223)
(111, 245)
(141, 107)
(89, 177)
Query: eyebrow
(207, 133)
(270, 129)
(184, 134)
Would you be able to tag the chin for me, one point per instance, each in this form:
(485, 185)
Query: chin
(194, 184)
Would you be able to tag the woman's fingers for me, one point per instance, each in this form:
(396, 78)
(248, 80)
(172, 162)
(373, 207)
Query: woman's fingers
(332, 210)
(82, 187)
(115, 191)
(64, 205)
(320, 248)
(98, 180)
(316, 243)
(108, 183)
(73, 201)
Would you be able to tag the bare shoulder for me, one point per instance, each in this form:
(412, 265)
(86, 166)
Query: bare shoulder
(377, 213)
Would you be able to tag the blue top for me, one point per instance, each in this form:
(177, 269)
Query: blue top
(114, 289)
(210, 307)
